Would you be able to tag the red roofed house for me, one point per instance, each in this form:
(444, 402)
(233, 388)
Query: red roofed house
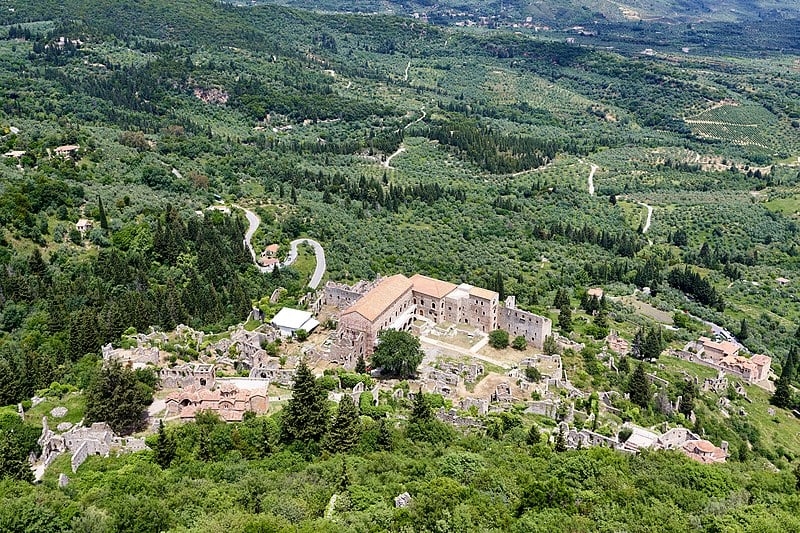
(228, 401)
(704, 451)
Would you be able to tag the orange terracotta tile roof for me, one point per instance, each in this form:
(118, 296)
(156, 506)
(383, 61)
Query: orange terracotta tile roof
(486, 294)
(380, 298)
(704, 446)
(726, 347)
(431, 287)
(761, 359)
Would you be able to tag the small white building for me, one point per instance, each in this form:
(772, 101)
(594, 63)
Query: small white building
(288, 321)
(84, 225)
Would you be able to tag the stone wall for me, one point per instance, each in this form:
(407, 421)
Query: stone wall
(518, 322)
(481, 313)
(198, 375)
(342, 296)
(452, 417)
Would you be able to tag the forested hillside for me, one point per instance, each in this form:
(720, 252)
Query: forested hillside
(568, 11)
(657, 161)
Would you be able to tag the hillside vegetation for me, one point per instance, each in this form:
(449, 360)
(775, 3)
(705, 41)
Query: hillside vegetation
(540, 163)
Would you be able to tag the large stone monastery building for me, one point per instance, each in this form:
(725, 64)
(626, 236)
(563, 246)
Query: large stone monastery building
(396, 302)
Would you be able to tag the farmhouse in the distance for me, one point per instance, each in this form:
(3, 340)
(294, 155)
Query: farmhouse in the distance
(397, 302)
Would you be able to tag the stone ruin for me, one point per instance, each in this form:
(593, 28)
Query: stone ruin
(138, 356)
(470, 372)
(452, 417)
(272, 371)
(97, 439)
(502, 393)
(342, 296)
(188, 375)
(586, 438)
(481, 404)
(444, 377)
(548, 408)
(402, 500)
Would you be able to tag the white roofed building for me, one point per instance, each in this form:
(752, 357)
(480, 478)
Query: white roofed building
(288, 321)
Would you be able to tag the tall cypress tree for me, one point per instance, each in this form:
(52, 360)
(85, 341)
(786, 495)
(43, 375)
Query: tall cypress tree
(639, 387)
(499, 285)
(421, 409)
(533, 437)
(345, 429)
(744, 332)
(687, 398)
(102, 215)
(305, 417)
(782, 397)
(164, 449)
(565, 319)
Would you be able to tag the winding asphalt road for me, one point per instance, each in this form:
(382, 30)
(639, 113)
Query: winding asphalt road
(254, 221)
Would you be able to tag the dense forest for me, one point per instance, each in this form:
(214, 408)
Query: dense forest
(538, 163)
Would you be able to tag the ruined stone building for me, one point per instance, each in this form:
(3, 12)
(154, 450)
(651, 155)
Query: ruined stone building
(397, 302)
(138, 357)
(97, 439)
(188, 375)
(516, 322)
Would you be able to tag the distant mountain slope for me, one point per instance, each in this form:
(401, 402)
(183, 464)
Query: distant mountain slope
(569, 10)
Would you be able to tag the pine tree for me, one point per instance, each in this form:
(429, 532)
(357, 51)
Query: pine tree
(346, 427)
(653, 342)
(533, 437)
(14, 457)
(560, 444)
(116, 396)
(384, 439)
(305, 417)
(639, 387)
(421, 409)
(164, 449)
(361, 365)
(561, 299)
(102, 215)
(623, 365)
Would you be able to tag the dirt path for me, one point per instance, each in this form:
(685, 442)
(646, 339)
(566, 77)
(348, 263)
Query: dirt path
(591, 179)
(649, 218)
(405, 75)
(386, 164)
(420, 119)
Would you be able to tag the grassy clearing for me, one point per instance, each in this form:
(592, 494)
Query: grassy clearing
(74, 402)
(789, 206)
